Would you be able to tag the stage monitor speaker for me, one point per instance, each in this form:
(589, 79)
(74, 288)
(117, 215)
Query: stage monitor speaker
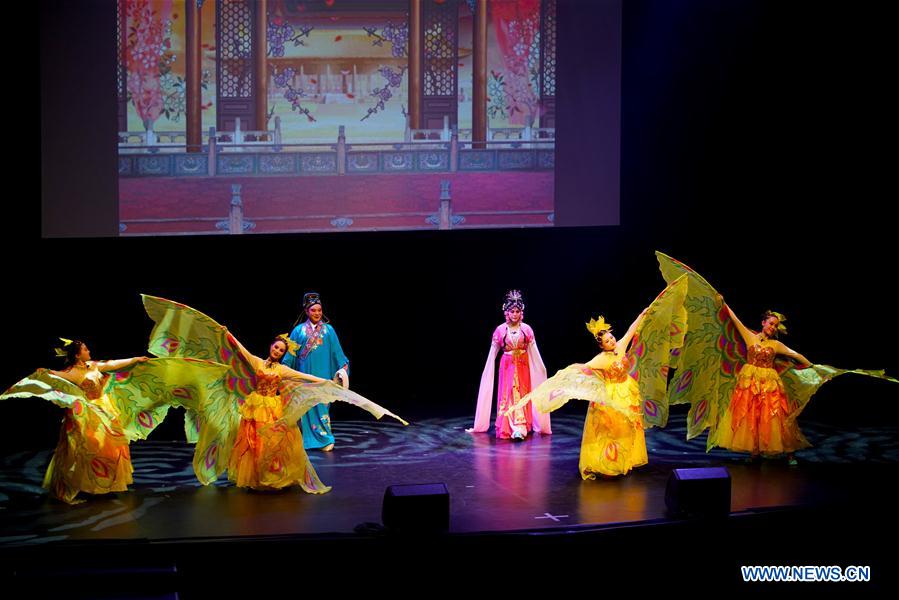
(419, 508)
(701, 492)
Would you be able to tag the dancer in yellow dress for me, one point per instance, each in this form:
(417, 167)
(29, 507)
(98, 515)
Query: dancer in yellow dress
(108, 404)
(613, 441)
(248, 420)
(277, 460)
(624, 383)
(746, 388)
(756, 419)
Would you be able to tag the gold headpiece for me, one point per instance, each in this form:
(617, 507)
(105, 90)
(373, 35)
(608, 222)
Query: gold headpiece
(597, 325)
(65, 343)
(292, 346)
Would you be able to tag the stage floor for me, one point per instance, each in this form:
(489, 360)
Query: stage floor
(494, 485)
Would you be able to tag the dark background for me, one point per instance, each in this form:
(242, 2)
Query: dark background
(751, 149)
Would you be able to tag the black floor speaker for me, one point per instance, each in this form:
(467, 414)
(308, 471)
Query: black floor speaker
(419, 508)
(701, 492)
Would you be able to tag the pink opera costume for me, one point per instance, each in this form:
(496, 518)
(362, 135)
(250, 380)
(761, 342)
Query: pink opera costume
(248, 423)
(108, 404)
(520, 370)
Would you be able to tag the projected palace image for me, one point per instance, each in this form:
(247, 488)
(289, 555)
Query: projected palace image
(327, 115)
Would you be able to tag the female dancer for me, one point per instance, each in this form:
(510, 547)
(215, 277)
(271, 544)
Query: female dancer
(520, 370)
(248, 419)
(614, 442)
(108, 404)
(744, 393)
(758, 411)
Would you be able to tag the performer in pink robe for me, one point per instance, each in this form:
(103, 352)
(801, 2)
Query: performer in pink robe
(520, 370)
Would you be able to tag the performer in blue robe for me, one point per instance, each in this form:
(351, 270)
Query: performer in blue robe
(319, 354)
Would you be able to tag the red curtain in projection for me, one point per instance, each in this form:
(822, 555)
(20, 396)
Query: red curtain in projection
(516, 23)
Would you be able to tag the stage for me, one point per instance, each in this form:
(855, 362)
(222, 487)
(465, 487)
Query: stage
(501, 492)
(494, 485)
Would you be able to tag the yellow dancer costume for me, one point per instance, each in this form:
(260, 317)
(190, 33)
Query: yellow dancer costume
(275, 460)
(737, 382)
(613, 441)
(247, 419)
(108, 404)
(624, 385)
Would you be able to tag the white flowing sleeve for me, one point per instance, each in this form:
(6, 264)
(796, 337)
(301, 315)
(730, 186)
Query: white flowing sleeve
(344, 378)
(485, 393)
(537, 370)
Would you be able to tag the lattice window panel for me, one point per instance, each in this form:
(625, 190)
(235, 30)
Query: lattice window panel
(441, 26)
(534, 61)
(235, 45)
(548, 55)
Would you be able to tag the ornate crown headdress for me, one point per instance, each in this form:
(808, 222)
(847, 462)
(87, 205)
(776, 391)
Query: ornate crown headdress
(597, 325)
(513, 300)
(65, 344)
(292, 346)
